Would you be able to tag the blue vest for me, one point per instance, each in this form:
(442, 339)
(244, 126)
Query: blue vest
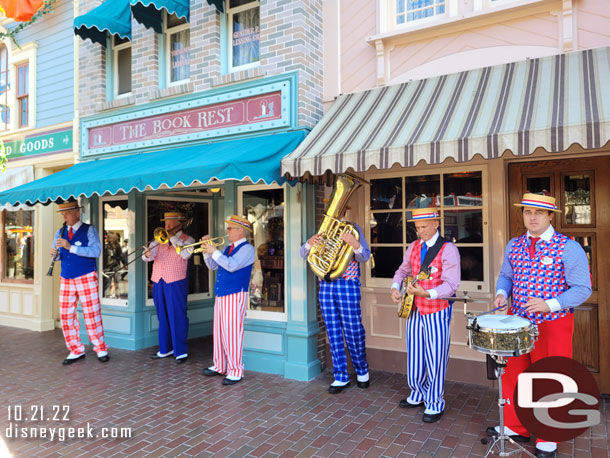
(232, 282)
(72, 265)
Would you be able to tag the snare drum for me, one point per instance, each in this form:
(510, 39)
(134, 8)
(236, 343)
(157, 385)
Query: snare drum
(501, 335)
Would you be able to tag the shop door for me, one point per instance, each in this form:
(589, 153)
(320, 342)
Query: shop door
(582, 187)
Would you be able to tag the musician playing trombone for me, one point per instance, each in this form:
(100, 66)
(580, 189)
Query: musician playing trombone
(170, 287)
(234, 267)
(77, 245)
(428, 325)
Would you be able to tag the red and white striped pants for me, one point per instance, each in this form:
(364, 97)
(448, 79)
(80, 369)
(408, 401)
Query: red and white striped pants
(71, 290)
(229, 315)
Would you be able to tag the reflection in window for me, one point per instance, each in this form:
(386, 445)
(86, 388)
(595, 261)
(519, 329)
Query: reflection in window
(198, 225)
(422, 191)
(387, 260)
(388, 228)
(178, 44)
(538, 185)
(577, 199)
(244, 29)
(115, 249)
(264, 208)
(386, 193)
(18, 245)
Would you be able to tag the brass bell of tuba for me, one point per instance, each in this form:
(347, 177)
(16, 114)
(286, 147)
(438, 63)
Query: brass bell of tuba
(329, 258)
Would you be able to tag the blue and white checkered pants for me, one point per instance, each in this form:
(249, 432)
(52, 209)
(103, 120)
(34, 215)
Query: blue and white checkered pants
(340, 305)
(428, 338)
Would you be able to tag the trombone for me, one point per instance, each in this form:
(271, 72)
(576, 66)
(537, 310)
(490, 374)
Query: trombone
(216, 241)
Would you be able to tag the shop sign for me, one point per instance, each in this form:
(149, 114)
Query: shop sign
(54, 142)
(266, 108)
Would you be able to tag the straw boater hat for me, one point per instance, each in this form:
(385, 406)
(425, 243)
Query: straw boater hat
(239, 221)
(422, 214)
(70, 205)
(538, 201)
(173, 216)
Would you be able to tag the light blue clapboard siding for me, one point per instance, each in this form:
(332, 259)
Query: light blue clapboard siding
(55, 64)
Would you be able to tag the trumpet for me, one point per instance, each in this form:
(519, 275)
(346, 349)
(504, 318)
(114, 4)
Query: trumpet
(216, 241)
(159, 234)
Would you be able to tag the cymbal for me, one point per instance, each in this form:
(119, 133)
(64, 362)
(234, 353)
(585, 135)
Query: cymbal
(463, 298)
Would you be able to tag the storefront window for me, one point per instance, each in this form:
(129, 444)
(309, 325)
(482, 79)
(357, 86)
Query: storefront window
(577, 199)
(265, 210)
(459, 197)
(115, 250)
(179, 45)
(244, 29)
(18, 244)
(197, 225)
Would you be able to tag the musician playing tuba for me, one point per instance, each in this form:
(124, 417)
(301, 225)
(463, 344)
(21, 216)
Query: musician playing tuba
(339, 294)
(428, 325)
(170, 287)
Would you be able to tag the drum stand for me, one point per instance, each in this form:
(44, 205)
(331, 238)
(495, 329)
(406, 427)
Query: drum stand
(500, 439)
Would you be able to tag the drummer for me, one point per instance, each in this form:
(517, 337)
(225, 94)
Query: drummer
(529, 272)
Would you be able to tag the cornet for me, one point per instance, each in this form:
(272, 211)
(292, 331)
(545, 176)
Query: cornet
(216, 241)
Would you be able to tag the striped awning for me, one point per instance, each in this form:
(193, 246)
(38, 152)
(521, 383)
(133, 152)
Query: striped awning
(550, 102)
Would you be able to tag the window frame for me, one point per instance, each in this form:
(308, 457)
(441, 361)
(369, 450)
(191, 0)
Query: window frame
(264, 314)
(22, 96)
(230, 12)
(476, 286)
(183, 197)
(168, 32)
(3, 278)
(7, 123)
(115, 68)
(435, 17)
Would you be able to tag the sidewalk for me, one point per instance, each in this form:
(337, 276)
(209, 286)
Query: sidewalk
(173, 410)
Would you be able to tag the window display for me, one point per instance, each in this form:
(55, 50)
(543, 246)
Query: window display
(18, 245)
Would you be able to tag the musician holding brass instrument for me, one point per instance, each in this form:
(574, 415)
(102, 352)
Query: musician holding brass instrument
(334, 254)
(77, 245)
(234, 267)
(428, 323)
(170, 287)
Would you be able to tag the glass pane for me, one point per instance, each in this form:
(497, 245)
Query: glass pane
(387, 228)
(245, 37)
(471, 263)
(23, 111)
(199, 225)
(463, 226)
(400, 19)
(387, 260)
(22, 80)
(463, 189)
(180, 59)
(586, 242)
(115, 249)
(400, 6)
(538, 185)
(19, 245)
(577, 199)
(422, 191)
(386, 193)
(265, 210)
(124, 70)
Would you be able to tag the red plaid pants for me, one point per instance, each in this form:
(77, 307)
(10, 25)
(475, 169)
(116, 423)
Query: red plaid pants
(229, 314)
(84, 288)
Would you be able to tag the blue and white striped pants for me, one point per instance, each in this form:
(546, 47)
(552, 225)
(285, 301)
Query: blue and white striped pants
(428, 338)
(340, 305)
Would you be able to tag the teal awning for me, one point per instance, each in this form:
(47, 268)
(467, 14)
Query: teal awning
(113, 17)
(149, 13)
(256, 158)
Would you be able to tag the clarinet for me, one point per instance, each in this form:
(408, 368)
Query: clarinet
(56, 257)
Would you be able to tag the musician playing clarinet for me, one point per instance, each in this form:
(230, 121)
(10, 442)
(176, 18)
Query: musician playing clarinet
(171, 288)
(545, 289)
(428, 325)
(77, 245)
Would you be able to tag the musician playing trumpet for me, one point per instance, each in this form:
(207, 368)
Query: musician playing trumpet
(234, 267)
(77, 245)
(170, 287)
(428, 325)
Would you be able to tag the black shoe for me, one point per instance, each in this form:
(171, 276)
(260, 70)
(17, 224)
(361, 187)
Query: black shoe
(491, 432)
(432, 417)
(181, 360)
(228, 381)
(209, 372)
(103, 359)
(337, 389)
(73, 360)
(542, 454)
(363, 384)
(407, 405)
(156, 356)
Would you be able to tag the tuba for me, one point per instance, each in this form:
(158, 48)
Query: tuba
(329, 258)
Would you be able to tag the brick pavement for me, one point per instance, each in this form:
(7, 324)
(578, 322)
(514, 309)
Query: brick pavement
(173, 410)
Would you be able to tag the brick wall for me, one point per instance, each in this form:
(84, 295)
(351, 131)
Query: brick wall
(291, 41)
